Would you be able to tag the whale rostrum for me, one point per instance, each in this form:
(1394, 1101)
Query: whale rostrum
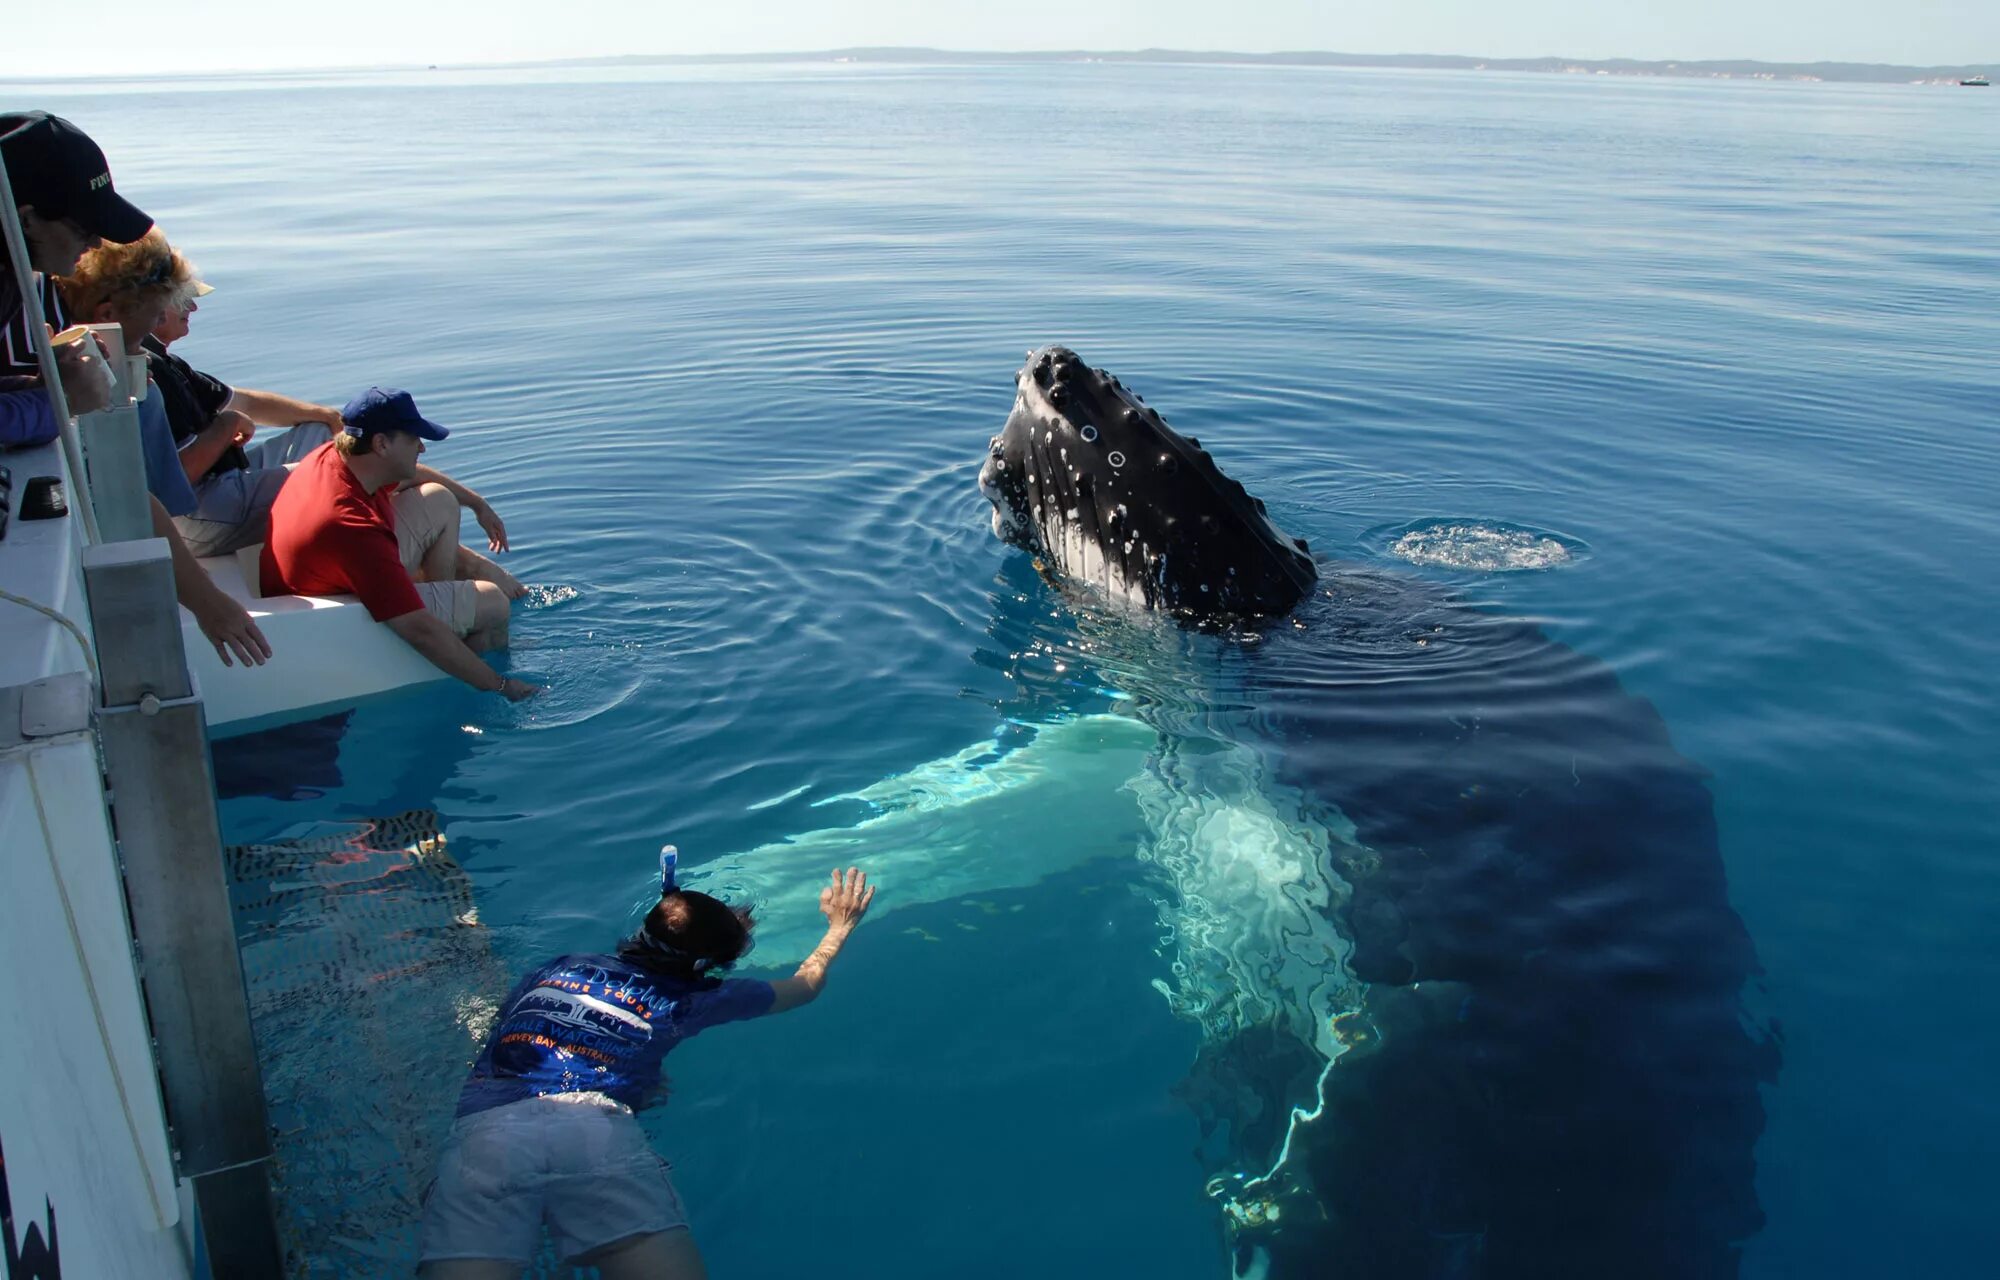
(1108, 497)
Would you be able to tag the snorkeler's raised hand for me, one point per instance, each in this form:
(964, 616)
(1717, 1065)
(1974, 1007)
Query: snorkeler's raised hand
(846, 900)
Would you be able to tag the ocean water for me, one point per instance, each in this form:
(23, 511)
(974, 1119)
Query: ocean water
(1697, 377)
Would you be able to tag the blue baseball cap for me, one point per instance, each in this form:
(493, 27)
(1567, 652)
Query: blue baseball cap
(387, 409)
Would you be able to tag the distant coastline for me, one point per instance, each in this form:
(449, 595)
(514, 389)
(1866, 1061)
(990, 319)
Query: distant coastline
(1708, 69)
(1696, 69)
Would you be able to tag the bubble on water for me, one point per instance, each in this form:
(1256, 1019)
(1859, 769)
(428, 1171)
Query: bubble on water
(548, 596)
(1486, 548)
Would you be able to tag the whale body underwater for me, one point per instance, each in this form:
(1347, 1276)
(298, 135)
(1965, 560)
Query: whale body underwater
(1444, 899)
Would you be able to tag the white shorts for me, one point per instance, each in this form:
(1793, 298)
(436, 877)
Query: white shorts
(575, 1161)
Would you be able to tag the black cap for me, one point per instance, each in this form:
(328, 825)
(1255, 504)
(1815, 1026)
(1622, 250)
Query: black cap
(54, 166)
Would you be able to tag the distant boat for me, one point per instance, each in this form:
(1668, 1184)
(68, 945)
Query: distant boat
(1975, 82)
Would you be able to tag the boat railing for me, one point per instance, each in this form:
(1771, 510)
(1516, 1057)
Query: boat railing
(156, 778)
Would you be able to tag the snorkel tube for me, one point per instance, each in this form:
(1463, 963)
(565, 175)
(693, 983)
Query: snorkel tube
(645, 945)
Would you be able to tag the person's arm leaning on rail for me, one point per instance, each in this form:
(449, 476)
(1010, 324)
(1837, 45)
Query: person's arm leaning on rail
(274, 410)
(226, 623)
(26, 417)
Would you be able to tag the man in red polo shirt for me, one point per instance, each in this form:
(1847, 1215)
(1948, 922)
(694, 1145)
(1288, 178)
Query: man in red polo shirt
(342, 525)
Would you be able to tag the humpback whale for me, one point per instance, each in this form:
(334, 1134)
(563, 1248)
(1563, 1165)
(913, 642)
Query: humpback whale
(1499, 1029)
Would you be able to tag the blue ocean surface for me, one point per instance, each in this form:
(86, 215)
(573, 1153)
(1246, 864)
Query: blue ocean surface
(1699, 377)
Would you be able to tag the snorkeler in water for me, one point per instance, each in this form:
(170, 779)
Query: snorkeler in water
(545, 1131)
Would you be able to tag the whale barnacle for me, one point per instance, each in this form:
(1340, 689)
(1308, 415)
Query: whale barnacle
(1088, 432)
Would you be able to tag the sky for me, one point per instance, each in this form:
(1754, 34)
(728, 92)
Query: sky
(124, 37)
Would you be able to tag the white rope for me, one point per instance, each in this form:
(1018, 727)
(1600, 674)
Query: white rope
(69, 624)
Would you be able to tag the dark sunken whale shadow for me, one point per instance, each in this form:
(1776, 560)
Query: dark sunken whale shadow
(1551, 1072)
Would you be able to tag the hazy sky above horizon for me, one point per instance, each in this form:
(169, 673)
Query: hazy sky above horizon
(119, 37)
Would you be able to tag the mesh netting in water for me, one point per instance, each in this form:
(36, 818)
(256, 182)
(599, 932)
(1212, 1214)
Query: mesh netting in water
(371, 984)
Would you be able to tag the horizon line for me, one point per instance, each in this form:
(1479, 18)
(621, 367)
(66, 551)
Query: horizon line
(1291, 57)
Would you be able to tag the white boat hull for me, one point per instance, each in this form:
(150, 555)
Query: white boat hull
(326, 651)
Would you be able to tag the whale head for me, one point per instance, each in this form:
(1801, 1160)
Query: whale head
(1113, 502)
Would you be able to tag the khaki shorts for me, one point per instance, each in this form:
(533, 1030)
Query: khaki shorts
(418, 529)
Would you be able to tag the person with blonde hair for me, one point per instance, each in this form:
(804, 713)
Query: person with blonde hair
(150, 288)
(136, 286)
